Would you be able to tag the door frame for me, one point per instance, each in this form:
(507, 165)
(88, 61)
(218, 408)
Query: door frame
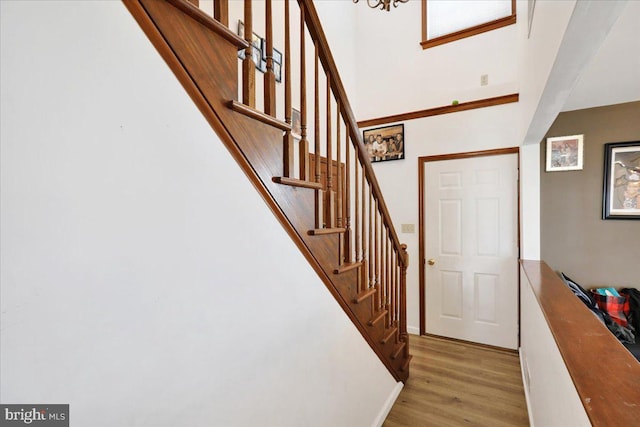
(422, 161)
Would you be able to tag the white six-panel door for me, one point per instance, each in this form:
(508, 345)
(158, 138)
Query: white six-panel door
(471, 273)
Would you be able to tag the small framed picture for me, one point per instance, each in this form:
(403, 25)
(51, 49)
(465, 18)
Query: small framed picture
(296, 124)
(621, 195)
(241, 29)
(256, 47)
(277, 64)
(255, 56)
(257, 52)
(277, 70)
(385, 143)
(241, 34)
(565, 153)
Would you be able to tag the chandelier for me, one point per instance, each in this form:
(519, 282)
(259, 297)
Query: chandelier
(382, 4)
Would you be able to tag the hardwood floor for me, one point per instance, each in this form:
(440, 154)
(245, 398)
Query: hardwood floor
(453, 383)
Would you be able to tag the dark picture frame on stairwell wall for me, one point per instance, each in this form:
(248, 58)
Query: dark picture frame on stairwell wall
(257, 49)
(621, 192)
(384, 143)
(277, 64)
(259, 53)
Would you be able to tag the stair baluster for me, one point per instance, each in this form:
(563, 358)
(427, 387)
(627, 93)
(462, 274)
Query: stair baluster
(329, 193)
(288, 141)
(339, 195)
(269, 76)
(248, 66)
(349, 258)
(221, 11)
(303, 152)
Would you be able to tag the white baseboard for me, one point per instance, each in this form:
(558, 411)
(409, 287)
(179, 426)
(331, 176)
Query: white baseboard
(525, 382)
(413, 330)
(386, 408)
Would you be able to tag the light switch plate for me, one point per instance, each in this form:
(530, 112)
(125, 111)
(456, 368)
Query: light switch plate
(408, 228)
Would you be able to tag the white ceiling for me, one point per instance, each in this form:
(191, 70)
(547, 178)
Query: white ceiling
(613, 76)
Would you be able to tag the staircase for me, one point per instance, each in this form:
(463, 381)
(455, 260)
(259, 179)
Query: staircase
(318, 181)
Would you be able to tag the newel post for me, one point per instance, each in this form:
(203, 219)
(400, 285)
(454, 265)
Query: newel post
(404, 336)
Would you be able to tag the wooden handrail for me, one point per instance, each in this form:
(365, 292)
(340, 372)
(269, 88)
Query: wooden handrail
(605, 374)
(315, 29)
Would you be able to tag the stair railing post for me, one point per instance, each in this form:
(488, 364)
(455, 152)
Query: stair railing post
(370, 237)
(288, 149)
(376, 253)
(316, 123)
(339, 205)
(394, 286)
(248, 66)
(303, 151)
(221, 11)
(320, 209)
(269, 75)
(387, 275)
(348, 247)
(329, 205)
(403, 299)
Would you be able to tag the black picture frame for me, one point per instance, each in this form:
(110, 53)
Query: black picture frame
(257, 53)
(384, 143)
(277, 64)
(621, 188)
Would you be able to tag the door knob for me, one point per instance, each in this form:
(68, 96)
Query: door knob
(431, 261)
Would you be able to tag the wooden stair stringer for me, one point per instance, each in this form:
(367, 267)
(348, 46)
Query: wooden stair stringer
(205, 73)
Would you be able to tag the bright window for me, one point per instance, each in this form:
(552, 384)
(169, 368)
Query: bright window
(444, 21)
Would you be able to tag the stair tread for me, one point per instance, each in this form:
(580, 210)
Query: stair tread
(364, 295)
(377, 318)
(200, 16)
(389, 335)
(397, 352)
(297, 182)
(241, 108)
(405, 365)
(322, 231)
(347, 266)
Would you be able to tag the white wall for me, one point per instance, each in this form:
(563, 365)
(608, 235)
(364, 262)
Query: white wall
(552, 399)
(338, 23)
(144, 281)
(537, 51)
(530, 202)
(398, 76)
(587, 28)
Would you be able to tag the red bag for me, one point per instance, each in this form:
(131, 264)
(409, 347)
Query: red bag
(616, 307)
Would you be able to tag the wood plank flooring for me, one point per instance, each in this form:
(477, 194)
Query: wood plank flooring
(453, 383)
